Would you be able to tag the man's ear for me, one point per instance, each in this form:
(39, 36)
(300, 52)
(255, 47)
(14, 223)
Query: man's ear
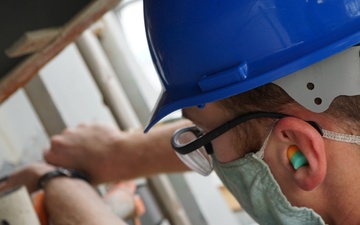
(292, 131)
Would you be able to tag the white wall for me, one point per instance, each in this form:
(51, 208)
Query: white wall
(73, 90)
(22, 137)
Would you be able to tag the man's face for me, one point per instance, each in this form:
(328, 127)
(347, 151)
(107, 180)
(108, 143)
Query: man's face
(227, 146)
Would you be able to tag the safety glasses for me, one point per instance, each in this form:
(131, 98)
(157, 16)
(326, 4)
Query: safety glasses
(194, 147)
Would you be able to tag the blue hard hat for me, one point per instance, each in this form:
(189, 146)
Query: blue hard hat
(207, 50)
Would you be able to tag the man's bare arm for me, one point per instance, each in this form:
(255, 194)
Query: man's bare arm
(74, 202)
(108, 154)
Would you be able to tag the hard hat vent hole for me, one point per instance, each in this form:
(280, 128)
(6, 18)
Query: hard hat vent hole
(318, 101)
(310, 86)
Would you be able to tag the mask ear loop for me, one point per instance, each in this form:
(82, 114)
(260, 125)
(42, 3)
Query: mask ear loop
(261, 152)
(348, 138)
(335, 136)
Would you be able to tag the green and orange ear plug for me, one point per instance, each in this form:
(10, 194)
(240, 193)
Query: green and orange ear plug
(296, 157)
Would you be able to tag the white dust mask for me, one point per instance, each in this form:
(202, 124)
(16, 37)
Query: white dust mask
(250, 181)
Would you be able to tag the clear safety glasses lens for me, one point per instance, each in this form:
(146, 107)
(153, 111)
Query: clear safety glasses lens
(198, 160)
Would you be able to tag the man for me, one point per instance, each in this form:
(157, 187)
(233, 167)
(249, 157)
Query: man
(272, 88)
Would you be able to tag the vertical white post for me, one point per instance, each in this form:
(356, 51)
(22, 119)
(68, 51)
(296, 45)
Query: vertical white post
(116, 98)
(16, 208)
(104, 75)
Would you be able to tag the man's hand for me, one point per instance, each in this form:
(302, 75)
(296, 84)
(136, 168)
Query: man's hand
(28, 176)
(91, 148)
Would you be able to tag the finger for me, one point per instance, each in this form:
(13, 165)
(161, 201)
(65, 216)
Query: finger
(54, 158)
(2, 179)
(60, 158)
(57, 141)
(6, 184)
(56, 153)
(3, 183)
(3, 186)
(83, 125)
(56, 144)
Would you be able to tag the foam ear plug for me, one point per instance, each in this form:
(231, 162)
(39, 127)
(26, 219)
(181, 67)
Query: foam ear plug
(296, 157)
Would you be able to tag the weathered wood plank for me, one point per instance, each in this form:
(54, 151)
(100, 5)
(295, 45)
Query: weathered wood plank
(28, 68)
(32, 41)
